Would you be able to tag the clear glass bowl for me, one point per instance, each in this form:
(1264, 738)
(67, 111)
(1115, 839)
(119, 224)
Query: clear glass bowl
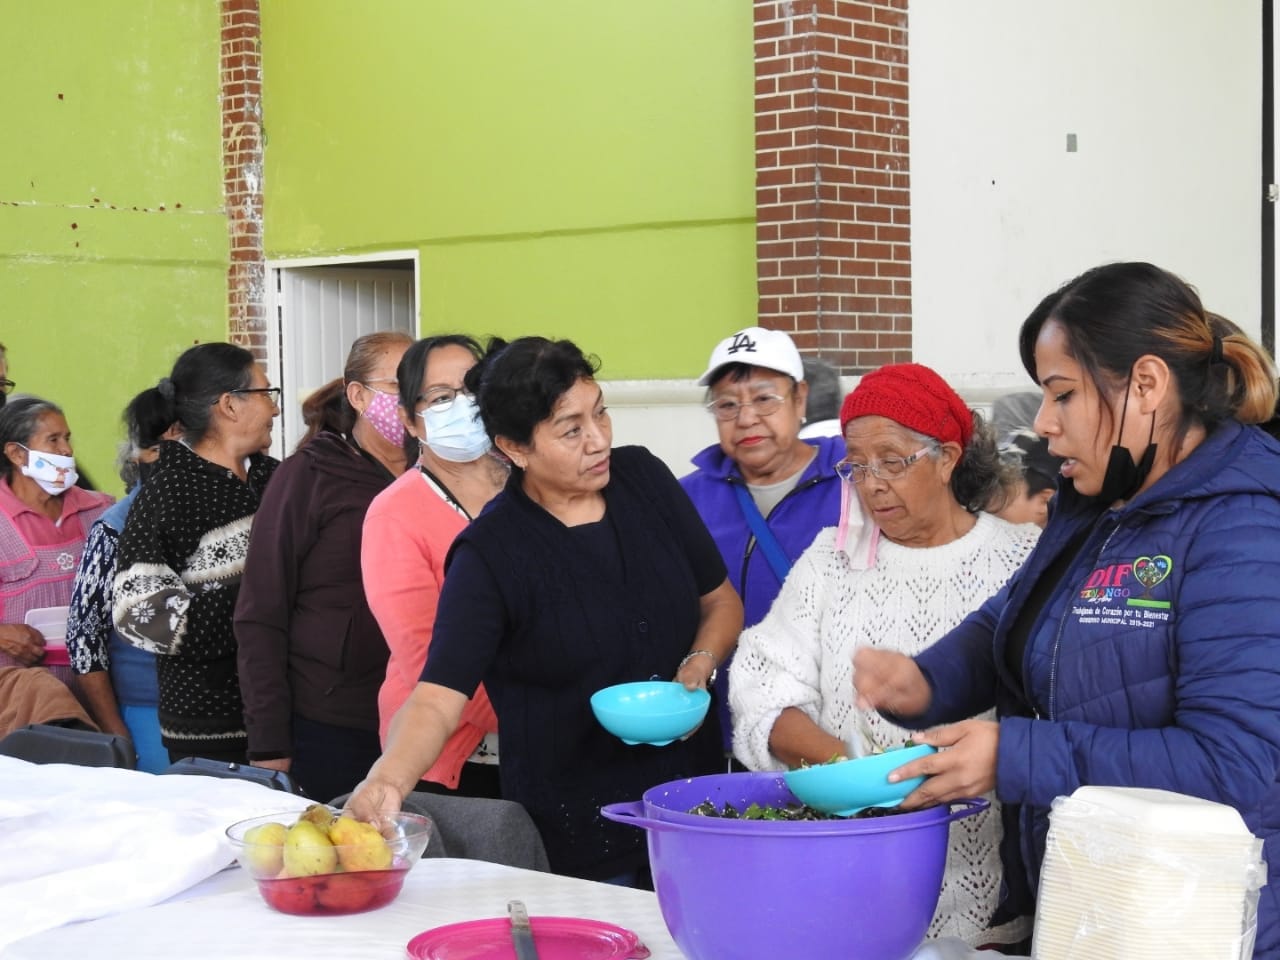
(340, 890)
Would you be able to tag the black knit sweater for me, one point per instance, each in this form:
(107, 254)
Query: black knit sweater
(181, 556)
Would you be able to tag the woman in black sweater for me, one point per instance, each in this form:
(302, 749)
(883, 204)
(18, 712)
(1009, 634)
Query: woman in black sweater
(591, 568)
(183, 547)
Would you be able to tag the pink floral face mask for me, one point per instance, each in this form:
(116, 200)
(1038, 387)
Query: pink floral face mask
(381, 413)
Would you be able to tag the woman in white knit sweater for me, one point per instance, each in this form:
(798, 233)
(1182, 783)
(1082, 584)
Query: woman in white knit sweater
(912, 556)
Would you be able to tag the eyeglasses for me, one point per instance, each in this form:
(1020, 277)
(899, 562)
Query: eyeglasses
(273, 393)
(763, 405)
(369, 383)
(441, 398)
(6, 385)
(890, 468)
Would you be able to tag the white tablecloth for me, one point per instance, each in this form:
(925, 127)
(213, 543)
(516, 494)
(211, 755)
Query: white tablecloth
(225, 918)
(77, 843)
(100, 864)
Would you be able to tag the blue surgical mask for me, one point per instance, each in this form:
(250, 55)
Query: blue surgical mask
(455, 432)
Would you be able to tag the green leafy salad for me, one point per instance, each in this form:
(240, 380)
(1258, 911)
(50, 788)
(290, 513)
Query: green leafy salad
(789, 811)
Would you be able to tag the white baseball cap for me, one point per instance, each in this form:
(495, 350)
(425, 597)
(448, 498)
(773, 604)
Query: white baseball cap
(756, 347)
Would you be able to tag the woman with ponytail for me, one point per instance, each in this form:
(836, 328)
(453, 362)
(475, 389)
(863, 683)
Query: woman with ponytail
(1139, 645)
(182, 551)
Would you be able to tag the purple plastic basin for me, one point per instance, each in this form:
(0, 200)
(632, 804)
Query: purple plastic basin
(809, 890)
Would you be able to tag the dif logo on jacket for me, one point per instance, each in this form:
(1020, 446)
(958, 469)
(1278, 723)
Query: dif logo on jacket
(1127, 592)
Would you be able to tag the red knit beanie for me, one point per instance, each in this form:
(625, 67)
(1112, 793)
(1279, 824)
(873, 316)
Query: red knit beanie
(916, 397)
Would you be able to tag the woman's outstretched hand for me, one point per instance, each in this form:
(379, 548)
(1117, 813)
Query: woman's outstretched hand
(373, 799)
(964, 766)
(889, 682)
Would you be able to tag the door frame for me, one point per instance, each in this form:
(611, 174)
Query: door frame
(1270, 188)
(275, 272)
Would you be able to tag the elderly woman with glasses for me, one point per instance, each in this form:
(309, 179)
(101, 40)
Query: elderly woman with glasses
(763, 492)
(182, 551)
(912, 555)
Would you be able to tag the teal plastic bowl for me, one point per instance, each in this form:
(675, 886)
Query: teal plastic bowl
(850, 786)
(655, 712)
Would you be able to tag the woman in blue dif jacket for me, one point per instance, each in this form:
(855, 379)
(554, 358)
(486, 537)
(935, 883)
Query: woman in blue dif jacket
(1139, 645)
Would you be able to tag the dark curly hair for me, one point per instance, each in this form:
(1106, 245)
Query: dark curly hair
(981, 479)
(518, 384)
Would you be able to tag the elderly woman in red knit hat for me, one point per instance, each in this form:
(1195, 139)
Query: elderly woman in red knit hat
(913, 554)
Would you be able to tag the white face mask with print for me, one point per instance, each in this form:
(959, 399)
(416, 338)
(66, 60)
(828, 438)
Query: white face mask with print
(55, 474)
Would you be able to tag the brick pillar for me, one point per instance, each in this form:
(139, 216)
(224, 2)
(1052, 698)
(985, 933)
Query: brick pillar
(240, 69)
(833, 214)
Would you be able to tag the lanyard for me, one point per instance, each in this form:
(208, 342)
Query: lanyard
(779, 562)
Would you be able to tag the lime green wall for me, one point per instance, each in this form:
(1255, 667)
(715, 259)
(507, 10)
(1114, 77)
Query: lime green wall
(570, 167)
(113, 247)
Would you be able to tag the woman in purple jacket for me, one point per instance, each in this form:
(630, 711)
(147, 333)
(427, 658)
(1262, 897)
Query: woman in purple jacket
(763, 492)
(1139, 645)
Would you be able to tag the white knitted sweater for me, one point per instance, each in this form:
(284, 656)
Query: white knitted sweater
(801, 656)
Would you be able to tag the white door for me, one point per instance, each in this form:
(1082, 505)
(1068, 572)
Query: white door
(321, 310)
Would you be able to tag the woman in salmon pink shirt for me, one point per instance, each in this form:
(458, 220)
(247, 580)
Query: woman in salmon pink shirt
(407, 533)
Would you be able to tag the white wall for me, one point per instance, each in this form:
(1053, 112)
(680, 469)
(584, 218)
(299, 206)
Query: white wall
(1165, 99)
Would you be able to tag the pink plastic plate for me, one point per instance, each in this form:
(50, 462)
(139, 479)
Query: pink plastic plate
(557, 938)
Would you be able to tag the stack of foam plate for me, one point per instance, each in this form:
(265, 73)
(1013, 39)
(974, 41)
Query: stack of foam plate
(1131, 873)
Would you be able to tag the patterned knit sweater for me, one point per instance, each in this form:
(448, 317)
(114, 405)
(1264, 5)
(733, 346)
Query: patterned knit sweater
(801, 656)
(181, 556)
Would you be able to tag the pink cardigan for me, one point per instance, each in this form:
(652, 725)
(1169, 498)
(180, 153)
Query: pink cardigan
(407, 533)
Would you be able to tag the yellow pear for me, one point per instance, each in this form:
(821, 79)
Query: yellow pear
(264, 848)
(318, 814)
(360, 845)
(307, 851)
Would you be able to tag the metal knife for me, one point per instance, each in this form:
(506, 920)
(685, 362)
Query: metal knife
(521, 932)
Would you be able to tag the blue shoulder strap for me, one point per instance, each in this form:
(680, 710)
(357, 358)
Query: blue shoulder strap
(779, 562)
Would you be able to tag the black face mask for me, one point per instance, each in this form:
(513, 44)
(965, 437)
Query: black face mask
(1123, 476)
(145, 470)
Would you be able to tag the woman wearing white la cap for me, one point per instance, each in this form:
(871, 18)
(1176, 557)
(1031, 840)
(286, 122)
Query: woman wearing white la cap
(763, 492)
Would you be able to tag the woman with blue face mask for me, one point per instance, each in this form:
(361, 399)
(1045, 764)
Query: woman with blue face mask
(44, 520)
(407, 533)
